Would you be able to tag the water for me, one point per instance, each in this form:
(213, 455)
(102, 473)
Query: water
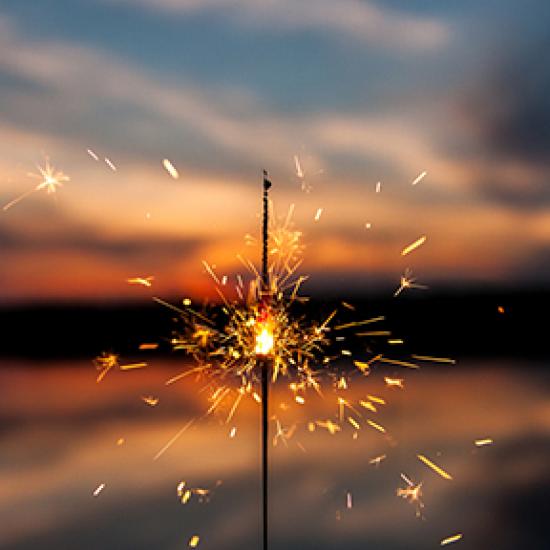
(59, 443)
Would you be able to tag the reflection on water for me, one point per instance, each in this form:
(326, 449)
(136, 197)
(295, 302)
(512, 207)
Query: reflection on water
(58, 441)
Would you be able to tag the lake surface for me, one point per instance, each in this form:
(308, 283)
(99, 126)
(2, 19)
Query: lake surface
(63, 436)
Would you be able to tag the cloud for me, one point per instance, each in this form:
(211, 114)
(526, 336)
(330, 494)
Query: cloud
(363, 21)
(508, 112)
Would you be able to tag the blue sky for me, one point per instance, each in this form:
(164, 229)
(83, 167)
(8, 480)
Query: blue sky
(361, 91)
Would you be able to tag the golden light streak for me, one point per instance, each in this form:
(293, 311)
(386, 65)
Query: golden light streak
(170, 168)
(132, 366)
(399, 363)
(173, 440)
(413, 246)
(144, 281)
(359, 323)
(376, 426)
(434, 359)
(368, 405)
(394, 382)
(376, 399)
(110, 164)
(298, 166)
(98, 489)
(450, 540)
(148, 346)
(434, 467)
(354, 423)
(328, 425)
(419, 178)
(194, 541)
(483, 442)
(377, 460)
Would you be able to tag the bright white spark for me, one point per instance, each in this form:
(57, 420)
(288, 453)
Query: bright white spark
(170, 168)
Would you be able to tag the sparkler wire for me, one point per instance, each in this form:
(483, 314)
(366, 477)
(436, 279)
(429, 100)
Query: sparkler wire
(264, 366)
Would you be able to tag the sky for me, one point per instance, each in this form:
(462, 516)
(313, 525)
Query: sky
(360, 91)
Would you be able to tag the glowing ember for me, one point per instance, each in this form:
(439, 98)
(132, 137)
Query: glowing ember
(98, 489)
(450, 540)
(434, 467)
(483, 442)
(419, 178)
(413, 246)
(170, 168)
(144, 281)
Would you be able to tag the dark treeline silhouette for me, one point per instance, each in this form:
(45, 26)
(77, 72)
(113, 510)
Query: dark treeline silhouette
(498, 325)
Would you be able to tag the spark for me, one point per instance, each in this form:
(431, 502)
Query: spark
(98, 490)
(378, 186)
(434, 467)
(359, 323)
(150, 400)
(170, 168)
(318, 214)
(110, 164)
(483, 442)
(354, 423)
(104, 363)
(368, 405)
(376, 399)
(328, 425)
(194, 541)
(412, 494)
(50, 180)
(132, 366)
(450, 540)
(413, 246)
(120, 441)
(144, 281)
(172, 440)
(399, 363)
(408, 281)
(368, 225)
(298, 166)
(434, 359)
(419, 178)
(377, 460)
(349, 501)
(283, 434)
(394, 382)
(376, 426)
(148, 346)
(92, 154)
(500, 309)
(233, 432)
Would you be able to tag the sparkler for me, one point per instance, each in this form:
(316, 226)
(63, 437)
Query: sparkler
(50, 179)
(258, 339)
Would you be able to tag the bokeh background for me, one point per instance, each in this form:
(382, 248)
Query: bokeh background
(361, 92)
